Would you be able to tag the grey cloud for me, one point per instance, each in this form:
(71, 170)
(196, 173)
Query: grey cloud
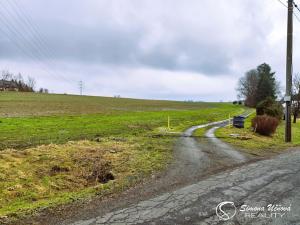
(196, 57)
(205, 38)
(107, 42)
(122, 47)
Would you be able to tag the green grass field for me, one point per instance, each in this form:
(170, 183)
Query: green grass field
(51, 144)
(93, 117)
(33, 104)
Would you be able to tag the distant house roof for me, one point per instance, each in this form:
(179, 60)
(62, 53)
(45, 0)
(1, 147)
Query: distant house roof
(8, 84)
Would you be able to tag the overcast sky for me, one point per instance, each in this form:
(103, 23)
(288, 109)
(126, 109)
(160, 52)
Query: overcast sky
(161, 49)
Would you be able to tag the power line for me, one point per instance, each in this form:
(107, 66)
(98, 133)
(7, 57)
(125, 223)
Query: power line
(35, 32)
(282, 3)
(20, 45)
(297, 18)
(12, 34)
(296, 6)
(13, 27)
(20, 23)
(40, 49)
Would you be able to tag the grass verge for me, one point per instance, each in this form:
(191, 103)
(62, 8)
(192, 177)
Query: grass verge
(56, 174)
(256, 144)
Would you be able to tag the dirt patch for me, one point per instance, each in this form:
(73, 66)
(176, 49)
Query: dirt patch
(101, 172)
(58, 169)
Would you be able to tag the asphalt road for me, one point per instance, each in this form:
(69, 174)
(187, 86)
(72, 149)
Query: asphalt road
(275, 181)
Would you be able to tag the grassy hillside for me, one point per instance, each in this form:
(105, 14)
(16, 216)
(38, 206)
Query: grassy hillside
(14, 104)
(58, 148)
(28, 123)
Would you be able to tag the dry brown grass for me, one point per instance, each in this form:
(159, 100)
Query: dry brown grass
(53, 174)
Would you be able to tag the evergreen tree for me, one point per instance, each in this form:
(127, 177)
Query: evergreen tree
(267, 86)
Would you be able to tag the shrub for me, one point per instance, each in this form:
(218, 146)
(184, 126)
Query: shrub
(234, 102)
(265, 125)
(270, 107)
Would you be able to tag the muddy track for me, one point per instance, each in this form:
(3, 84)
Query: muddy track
(195, 159)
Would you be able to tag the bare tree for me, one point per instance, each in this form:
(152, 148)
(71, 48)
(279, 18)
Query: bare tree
(247, 87)
(296, 97)
(6, 75)
(18, 77)
(31, 83)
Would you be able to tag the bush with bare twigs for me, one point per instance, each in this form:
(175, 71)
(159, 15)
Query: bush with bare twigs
(265, 125)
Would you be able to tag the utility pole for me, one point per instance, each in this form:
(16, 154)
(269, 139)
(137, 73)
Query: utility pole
(289, 62)
(80, 87)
